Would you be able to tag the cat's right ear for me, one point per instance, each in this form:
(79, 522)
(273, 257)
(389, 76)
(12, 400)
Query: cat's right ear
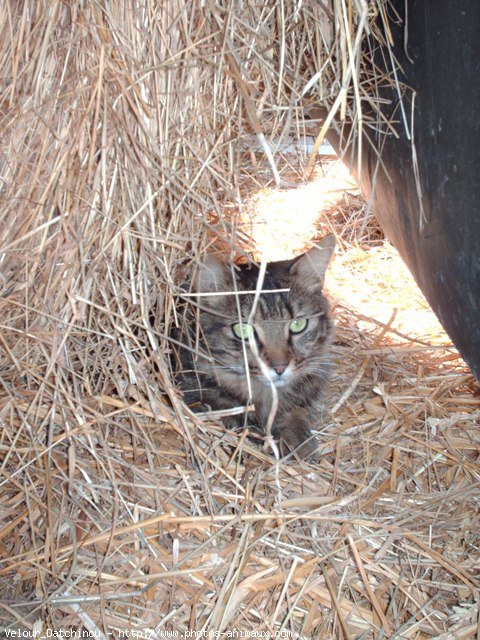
(212, 274)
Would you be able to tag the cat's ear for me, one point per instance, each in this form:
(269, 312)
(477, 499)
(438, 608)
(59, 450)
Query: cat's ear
(212, 274)
(312, 266)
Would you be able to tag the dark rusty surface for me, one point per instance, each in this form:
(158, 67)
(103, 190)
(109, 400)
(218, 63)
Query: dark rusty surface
(437, 234)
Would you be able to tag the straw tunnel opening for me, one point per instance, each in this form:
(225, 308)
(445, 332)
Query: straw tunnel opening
(379, 311)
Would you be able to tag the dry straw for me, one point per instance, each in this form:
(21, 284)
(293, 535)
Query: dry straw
(125, 133)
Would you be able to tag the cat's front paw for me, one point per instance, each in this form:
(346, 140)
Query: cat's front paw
(297, 439)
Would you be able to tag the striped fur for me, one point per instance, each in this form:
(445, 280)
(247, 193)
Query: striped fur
(219, 371)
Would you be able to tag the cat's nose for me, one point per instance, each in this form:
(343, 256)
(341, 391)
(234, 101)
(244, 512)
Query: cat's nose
(279, 368)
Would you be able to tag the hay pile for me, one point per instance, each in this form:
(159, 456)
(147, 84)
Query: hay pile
(125, 133)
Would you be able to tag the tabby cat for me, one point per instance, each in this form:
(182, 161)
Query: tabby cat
(234, 358)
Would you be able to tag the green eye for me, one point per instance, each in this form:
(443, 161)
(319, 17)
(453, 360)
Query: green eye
(243, 330)
(298, 325)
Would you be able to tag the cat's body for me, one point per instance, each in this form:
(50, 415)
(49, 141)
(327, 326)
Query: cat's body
(289, 330)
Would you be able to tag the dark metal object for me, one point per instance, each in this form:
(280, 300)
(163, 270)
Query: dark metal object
(437, 234)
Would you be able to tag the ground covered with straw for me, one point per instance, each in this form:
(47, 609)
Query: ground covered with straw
(126, 149)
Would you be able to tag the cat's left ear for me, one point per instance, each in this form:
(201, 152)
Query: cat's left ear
(312, 266)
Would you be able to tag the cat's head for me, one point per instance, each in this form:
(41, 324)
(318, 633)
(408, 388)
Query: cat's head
(284, 337)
